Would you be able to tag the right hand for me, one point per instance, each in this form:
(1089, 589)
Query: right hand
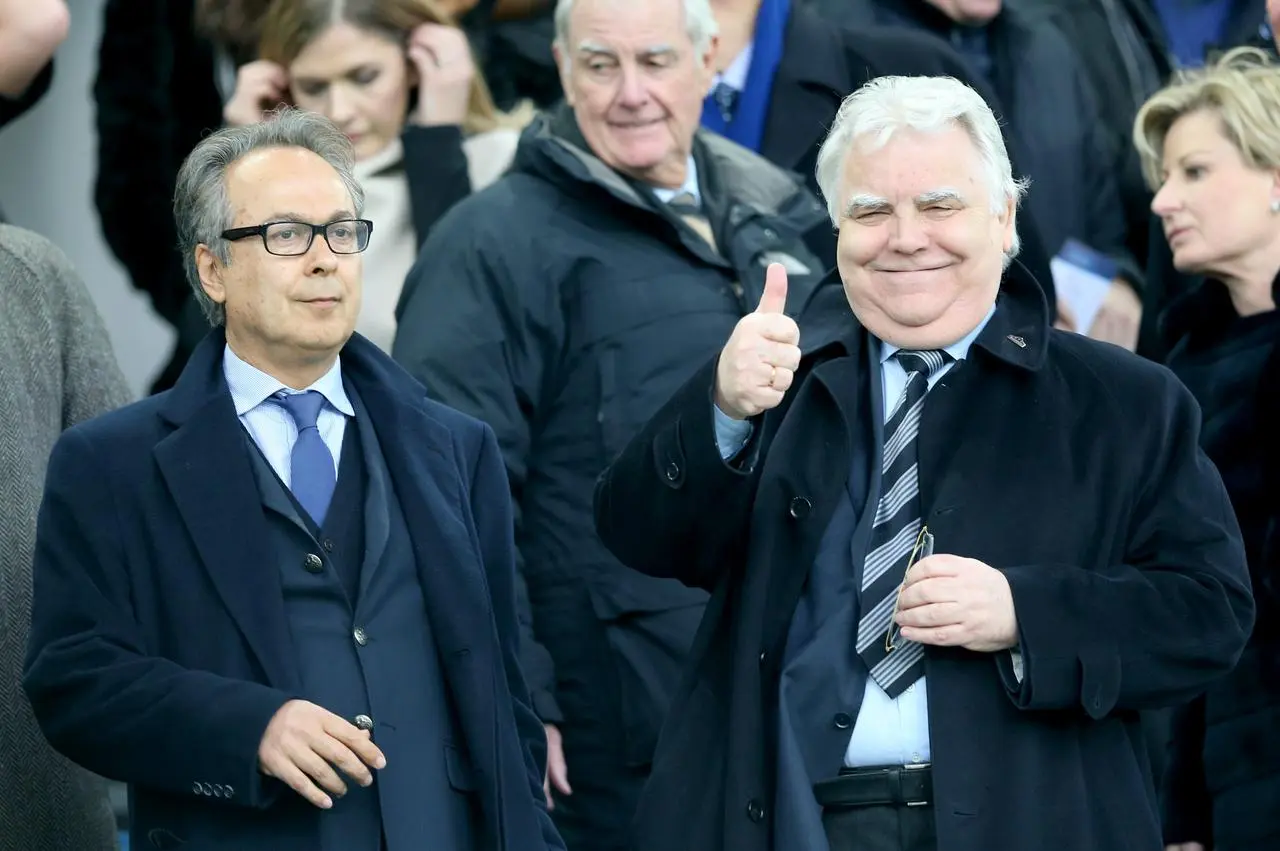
(304, 743)
(759, 362)
(557, 770)
(1184, 846)
(260, 87)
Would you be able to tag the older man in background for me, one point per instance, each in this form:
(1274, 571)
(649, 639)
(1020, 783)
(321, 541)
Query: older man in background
(56, 369)
(562, 306)
(954, 551)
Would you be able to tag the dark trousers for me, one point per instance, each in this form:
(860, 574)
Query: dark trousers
(599, 813)
(881, 828)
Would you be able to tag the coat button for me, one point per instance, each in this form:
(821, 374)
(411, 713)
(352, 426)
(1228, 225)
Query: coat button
(206, 789)
(230, 791)
(361, 637)
(800, 508)
(673, 471)
(195, 789)
(363, 722)
(763, 656)
(842, 721)
(327, 544)
(313, 563)
(755, 812)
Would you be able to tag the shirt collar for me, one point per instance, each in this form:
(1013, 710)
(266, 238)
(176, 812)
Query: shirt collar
(735, 76)
(250, 386)
(690, 185)
(958, 350)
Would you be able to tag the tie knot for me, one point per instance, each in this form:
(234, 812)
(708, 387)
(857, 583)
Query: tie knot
(685, 202)
(303, 407)
(927, 361)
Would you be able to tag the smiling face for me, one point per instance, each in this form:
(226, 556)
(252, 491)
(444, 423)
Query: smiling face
(920, 251)
(359, 80)
(1215, 208)
(636, 85)
(285, 315)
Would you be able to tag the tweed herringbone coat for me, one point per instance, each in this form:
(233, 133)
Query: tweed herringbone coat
(56, 369)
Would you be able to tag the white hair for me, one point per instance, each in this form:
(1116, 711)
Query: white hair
(699, 22)
(927, 105)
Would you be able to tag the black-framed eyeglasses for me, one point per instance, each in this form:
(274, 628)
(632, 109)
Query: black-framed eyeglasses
(290, 239)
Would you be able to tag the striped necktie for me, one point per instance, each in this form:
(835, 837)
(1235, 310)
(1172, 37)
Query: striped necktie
(894, 532)
(684, 205)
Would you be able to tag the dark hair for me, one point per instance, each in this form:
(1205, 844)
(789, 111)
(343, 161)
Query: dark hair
(232, 24)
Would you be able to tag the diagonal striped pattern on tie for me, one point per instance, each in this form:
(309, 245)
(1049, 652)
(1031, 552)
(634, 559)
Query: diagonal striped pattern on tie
(894, 531)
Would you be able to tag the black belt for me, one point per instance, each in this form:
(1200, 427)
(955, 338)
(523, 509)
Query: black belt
(893, 785)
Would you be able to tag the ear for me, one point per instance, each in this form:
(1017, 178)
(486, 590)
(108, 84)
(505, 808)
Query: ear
(1009, 222)
(210, 270)
(708, 59)
(564, 70)
(1275, 189)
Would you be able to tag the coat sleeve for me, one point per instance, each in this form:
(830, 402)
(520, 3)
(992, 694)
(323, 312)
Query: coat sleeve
(1158, 629)
(491, 508)
(480, 326)
(154, 97)
(101, 699)
(435, 167)
(1107, 222)
(92, 382)
(651, 502)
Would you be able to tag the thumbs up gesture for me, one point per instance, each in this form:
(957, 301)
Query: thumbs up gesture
(759, 362)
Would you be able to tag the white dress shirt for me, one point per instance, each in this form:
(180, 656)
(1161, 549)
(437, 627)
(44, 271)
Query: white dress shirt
(253, 392)
(888, 731)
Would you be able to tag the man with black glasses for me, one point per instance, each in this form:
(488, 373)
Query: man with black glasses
(278, 599)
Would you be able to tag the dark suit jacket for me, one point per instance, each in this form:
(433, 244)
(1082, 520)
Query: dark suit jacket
(821, 65)
(1068, 464)
(159, 646)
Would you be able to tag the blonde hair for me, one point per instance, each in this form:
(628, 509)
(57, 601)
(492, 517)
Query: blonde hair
(290, 25)
(1242, 89)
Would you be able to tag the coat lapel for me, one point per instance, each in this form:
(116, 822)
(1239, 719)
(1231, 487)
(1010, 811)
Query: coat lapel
(205, 463)
(811, 80)
(377, 499)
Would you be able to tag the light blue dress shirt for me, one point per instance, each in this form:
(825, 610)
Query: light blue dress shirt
(888, 731)
(270, 425)
(690, 185)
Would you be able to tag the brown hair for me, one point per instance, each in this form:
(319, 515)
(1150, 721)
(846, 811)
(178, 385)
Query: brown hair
(290, 25)
(1242, 89)
(233, 24)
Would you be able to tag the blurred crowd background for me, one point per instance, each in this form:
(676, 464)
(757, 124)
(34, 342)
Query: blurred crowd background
(441, 97)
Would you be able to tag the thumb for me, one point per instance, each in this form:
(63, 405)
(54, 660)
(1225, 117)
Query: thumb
(774, 299)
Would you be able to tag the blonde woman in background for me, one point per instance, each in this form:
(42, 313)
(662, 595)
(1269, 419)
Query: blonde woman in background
(1210, 144)
(398, 77)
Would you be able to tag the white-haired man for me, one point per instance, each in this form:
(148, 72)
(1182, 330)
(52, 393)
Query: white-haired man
(953, 552)
(563, 306)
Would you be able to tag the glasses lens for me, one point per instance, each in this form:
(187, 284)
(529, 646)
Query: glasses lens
(348, 237)
(288, 238)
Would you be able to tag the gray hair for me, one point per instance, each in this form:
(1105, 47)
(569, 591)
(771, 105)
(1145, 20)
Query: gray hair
(699, 22)
(927, 105)
(201, 209)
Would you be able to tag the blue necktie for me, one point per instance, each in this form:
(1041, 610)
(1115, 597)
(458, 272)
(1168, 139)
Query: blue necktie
(311, 468)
